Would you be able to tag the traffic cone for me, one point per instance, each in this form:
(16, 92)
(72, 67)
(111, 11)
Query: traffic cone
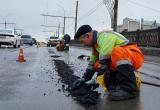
(20, 57)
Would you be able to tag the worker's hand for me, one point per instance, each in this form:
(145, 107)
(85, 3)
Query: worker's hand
(93, 85)
(88, 58)
(78, 83)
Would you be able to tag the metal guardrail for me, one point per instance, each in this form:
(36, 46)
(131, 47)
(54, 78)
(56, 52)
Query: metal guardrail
(146, 38)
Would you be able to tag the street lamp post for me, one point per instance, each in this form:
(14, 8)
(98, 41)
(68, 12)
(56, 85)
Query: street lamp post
(64, 19)
(58, 29)
(59, 17)
(58, 26)
(5, 23)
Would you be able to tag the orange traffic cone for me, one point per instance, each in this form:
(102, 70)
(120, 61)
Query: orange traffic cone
(20, 57)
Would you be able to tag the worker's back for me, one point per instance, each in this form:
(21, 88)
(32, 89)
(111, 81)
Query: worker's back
(67, 38)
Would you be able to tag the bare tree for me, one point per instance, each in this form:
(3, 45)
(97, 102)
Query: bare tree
(112, 7)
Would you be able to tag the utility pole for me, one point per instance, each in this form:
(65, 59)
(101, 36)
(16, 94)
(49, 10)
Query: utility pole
(76, 16)
(142, 20)
(115, 15)
(58, 29)
(56, 33)
(64, 24)
(55, 27)
(5, 24)
(64, 17)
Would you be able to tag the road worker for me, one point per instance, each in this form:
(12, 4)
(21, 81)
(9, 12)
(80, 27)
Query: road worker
(117, 59)
(67, 40)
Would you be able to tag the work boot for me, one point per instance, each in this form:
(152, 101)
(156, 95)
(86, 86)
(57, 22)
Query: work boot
(125, 83)
(125, 78)
(120, 94)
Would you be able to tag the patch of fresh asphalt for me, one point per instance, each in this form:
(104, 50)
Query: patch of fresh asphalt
(84, 95)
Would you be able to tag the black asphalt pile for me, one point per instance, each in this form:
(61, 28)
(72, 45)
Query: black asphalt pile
(84, 95)
(55, 56)
(82, 57)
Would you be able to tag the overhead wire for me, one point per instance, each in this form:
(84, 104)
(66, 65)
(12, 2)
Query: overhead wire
(110, 5)
(141, 5)
(91, 11)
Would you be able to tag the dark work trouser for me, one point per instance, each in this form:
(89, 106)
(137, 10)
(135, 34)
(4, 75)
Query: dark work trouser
(123, 78)
(66, 46)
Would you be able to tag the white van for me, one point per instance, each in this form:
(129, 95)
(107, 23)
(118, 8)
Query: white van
(9, 37)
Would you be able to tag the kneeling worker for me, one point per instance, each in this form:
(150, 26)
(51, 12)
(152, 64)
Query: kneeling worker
(118, 59)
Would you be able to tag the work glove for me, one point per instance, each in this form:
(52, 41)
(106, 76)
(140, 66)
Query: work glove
(84, 57)
(88, 58)
(106, 73)
(81, 56)
(93, 85)
(78, 83)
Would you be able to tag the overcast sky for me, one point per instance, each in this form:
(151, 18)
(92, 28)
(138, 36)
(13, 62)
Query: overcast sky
(27, 14)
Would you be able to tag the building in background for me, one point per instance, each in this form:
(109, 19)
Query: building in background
(133, 25)
(149, 24)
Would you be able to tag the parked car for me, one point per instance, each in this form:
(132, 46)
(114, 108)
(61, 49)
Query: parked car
(52, 41)
(26, 39)
(9, 37)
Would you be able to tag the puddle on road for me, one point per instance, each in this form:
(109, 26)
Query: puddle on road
(83, 95)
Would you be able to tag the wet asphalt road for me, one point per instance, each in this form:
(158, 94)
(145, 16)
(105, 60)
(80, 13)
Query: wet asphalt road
(34, 85)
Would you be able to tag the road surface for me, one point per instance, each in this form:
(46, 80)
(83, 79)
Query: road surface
(34, 84)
